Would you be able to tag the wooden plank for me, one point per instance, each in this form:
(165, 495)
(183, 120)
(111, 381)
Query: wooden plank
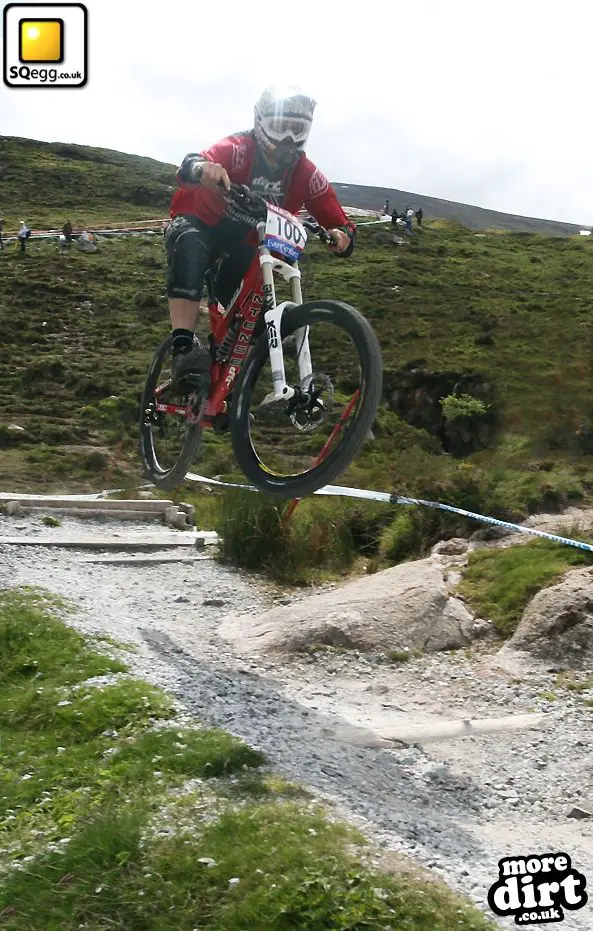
(123, 542)
(94, 513)
(147, 560)
(105, 504)
(408, 734)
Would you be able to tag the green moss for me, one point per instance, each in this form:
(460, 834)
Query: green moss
(499, 583)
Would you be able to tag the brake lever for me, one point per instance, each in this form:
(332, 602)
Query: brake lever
(316, 229)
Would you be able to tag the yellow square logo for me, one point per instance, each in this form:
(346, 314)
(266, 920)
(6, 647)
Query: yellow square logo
(44, 45)
(41, 40)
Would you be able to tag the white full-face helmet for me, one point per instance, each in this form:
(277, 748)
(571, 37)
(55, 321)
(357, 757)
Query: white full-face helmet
(283, 118)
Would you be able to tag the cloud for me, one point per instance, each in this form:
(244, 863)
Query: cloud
(483, 102)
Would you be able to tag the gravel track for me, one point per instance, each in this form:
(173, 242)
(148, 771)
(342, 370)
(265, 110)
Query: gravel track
(456, 806)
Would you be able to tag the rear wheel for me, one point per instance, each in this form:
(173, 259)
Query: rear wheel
(290, 449)
(168, 441)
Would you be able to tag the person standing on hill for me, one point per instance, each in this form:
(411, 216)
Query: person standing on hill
(408, 220)
(23, 234)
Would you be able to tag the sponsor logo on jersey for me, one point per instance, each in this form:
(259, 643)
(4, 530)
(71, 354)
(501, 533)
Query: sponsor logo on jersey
(239, 157)
(318, 184)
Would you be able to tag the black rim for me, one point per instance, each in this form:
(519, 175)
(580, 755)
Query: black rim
(349, 438)
(165, 438)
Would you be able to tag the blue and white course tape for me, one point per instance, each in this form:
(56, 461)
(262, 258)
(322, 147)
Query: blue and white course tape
(387, 498)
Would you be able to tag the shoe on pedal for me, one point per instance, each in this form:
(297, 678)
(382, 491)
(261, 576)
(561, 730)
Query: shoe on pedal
(191, 369)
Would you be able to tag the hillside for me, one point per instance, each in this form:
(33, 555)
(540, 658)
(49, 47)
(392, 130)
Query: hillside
(474, 218)
(46, 183)
(504, 318)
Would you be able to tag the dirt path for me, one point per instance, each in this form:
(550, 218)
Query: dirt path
(457, 806)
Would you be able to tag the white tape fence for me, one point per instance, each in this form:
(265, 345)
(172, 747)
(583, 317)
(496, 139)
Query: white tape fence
(393, 498)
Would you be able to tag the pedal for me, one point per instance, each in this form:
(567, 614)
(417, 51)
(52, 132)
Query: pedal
(198, 382)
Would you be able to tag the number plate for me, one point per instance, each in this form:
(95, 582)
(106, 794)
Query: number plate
(284, 233)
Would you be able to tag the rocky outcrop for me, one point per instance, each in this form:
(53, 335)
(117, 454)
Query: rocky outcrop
(415, 393)
(557, 624)
(407, 607)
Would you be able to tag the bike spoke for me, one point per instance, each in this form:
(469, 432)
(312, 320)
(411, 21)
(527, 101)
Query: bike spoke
(166, 421)
(293, 437)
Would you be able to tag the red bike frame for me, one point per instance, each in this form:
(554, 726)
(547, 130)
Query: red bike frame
(249, 304)
(244, 310)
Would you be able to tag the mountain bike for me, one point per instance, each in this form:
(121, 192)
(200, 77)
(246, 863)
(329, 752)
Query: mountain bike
(296, 384)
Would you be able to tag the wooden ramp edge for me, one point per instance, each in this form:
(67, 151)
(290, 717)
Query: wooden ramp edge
(406, 735)
(121, 542)
(158, 559)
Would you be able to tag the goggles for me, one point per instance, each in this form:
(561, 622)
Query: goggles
(279, 128)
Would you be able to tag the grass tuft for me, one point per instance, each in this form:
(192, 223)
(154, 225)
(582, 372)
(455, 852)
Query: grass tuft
(112, 816)
(499, 583)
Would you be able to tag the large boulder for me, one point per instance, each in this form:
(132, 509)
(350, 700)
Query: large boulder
(407, 606)
(557, 624)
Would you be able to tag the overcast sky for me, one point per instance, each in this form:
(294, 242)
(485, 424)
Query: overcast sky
(487, 102)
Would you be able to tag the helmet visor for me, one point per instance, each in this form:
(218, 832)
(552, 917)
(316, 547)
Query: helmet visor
(286, 127)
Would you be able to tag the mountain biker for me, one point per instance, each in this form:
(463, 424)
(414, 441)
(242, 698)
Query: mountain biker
(271, 160)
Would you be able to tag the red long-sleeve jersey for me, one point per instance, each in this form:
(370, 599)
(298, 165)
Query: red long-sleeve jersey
(302, 186)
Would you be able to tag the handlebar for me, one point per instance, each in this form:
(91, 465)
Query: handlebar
(242, 195)
(257, 206)
(318, 230)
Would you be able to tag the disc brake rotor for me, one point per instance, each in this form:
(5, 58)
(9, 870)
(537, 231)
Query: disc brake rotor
(313, 406)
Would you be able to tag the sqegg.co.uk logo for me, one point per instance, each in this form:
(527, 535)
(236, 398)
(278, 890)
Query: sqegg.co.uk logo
(45, 45)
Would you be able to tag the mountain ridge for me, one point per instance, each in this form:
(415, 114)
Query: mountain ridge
(366, 197)
(65, 175)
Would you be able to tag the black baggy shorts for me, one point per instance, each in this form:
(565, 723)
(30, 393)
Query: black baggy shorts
(193, 247)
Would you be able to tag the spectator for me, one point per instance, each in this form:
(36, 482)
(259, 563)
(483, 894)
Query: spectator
(23, 234)
(419, 216)
(86, 242)
(66, 235)
(394, 216)
(408, 220)
(386, 208)
(1, 228)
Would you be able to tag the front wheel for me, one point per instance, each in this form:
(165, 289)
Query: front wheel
(168, 441)
(291, 449)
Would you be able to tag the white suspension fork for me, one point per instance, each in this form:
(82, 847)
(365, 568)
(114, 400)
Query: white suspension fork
(273, 321)
(301, 337)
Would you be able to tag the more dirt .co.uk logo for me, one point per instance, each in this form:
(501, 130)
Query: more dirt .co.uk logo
(537, 889)
(39, 37)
